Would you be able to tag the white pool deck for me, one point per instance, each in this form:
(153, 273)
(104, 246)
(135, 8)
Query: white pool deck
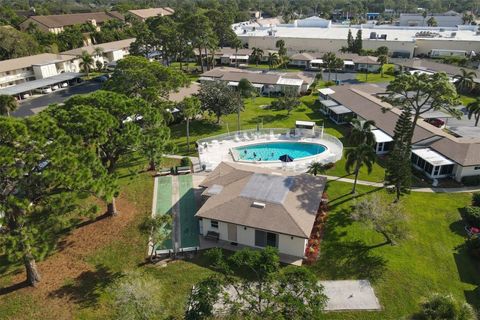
(215, 151)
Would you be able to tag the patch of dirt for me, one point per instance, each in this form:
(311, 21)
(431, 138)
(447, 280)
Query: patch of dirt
(69, 261)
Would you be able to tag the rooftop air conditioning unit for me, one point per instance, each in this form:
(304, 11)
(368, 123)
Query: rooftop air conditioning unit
(259, 205)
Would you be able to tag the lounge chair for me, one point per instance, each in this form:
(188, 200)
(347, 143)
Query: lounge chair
(183, 170)
(236, 139)
(246, 137)
(164, 171)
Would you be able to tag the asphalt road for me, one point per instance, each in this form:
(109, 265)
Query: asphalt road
(35, 105)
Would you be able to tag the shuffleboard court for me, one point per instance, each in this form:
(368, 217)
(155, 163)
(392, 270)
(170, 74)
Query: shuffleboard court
(188, 222)
(164, 205)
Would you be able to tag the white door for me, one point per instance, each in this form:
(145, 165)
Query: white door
(232, 232)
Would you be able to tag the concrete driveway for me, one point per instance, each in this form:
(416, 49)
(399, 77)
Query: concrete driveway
(35, 105)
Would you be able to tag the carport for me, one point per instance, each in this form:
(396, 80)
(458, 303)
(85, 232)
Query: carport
(30, 86)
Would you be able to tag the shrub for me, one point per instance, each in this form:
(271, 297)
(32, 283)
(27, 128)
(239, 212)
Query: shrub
(185, 162)
(471, 180)
(440, 306)
(473, 247)
(472, 215)
(476, 199)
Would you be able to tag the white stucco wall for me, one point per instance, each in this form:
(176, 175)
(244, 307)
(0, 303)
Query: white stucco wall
(45, 71)
(293, 246)
(465, 171)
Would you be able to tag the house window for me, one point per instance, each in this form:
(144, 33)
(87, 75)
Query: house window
(214, 224)
(476, 168)
(446, 169)
(266, 239)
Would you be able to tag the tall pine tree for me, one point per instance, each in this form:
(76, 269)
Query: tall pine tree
(350, 41)
(358, 45)
(399, 172)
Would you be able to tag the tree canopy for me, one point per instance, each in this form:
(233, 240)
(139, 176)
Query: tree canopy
(219, 99)
(42, 171)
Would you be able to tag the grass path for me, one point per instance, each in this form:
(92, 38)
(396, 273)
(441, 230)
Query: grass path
(188, 208)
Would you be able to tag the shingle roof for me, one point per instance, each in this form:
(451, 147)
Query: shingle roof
(25, 62)
(107, 47)
(63, 20)
(302, 56)
(360, 99)
(424, 64)
(152, 12)
(294, 216)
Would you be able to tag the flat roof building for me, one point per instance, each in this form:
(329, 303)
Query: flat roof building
(317, 35)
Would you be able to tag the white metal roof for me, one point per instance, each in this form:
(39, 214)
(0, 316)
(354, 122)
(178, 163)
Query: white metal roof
(205, 79)
(329, 103)
(233, 83)
(40, 83)
(381, 136)
(326, 91)
(340, 109)
(244, 57)
(348, 63)
(432, 157)
(305, 123)
(320, 61)
(257, 85)
(290, 82)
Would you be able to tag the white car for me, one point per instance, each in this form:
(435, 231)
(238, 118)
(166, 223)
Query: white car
(45, 90)
(26, 95)
(55, 87)
(64, 85)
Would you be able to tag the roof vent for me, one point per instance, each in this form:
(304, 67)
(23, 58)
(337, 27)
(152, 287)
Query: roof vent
(259, 205)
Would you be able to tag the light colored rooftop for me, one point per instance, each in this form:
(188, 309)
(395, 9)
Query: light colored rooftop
(152, 12)
(394, 33)
(381, 136)
(38, 59)
(107, 47)
(432, 157)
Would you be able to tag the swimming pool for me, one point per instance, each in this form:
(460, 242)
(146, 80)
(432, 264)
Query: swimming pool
(271, 151)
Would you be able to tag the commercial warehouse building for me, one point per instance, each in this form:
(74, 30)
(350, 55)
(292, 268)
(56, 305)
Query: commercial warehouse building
(315, 34)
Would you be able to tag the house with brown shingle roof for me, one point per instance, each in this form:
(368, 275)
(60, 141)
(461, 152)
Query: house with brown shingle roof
(57, 22)
(259, 207)
(144, 14)
(435, 152)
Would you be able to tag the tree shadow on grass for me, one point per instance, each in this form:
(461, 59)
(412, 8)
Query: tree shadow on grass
(268, 118)
(333, 203)
(468, 269)
(88, 286)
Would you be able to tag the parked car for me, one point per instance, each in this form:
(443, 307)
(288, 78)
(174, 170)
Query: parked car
(45, 90)
(100, 79)
(436, 122)
(64, 85)
(26, 95)
(55, 87)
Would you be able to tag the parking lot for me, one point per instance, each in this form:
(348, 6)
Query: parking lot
(34, 105)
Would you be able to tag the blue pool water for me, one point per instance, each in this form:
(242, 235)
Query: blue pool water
(271, 151)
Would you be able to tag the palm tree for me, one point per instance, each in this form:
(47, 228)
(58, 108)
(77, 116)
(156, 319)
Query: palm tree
(7, 104)
(464, 81)
(329, 60)
(257, 55)
(272, 59)
(361, 133)
(474, 110)
(190, 107)
(383, 60)
(316, 168)
(236, 43)
(337, 64)
(86, 62)
(357, 157)
(98, 51)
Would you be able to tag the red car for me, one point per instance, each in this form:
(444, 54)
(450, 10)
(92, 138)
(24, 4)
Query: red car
(436, 122)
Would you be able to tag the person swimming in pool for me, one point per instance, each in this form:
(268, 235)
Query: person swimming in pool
(245, 151)
(254, 155)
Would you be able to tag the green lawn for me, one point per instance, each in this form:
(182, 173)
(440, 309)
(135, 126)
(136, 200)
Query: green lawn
(432, 259)
(376, 77)
(255, 114)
